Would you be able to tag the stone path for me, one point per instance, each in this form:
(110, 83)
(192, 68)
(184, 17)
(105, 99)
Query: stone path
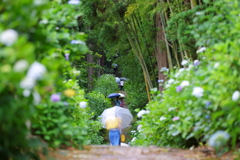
(105, 152)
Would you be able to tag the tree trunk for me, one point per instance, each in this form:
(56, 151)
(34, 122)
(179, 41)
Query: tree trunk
(90, 69)
(99, 70)
(186, 1)
(161, 54)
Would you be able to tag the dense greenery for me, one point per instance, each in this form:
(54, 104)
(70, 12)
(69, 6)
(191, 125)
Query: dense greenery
(203, 97)
(36, 54)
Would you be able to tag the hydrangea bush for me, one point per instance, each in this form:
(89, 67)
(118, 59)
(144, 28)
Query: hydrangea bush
(36, 54)
(202, 98)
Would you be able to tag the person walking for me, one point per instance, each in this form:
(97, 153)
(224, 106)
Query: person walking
(117, 102)
(115, 119)
(113, 124)
(122, 102)
(121, 85)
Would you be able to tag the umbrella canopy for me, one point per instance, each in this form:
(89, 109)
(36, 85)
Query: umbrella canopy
(123, 78)
(123, 114)
(113, 95)
(121, 95)
(117, 79)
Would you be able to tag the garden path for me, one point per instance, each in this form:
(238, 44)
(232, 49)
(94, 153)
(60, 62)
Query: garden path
(106, 152)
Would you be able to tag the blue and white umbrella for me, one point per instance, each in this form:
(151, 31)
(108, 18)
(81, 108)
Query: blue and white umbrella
(113, 95)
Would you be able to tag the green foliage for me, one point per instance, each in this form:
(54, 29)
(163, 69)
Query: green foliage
(34, 33)
(94, 135)
(62, 123)
(134, 86)
(52, 123)
(97, 103)
(106, 84)
(179, 28)
(84, 117)
(201, 99)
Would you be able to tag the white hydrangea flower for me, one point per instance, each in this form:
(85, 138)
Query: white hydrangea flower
(199, 13)
(160, 80)
(28, 124)
(171, 109)
(37, 98)
(202, 49)
(195, 62)
(184, 84)
(26, 92)
(190, 66)
(139, 127)
(76, 72)
(77, 42)
(44, 21)
(39, 2)
(134, 138)
(162, 118)
(181, 70)
(235, 95)
(73, 2)
(177, 74)
(36, 70)
(140, 113)
(147, 112)
(218, 139)
(216, 65)
(164, 69)
(184, 62)
(197, 92)
(27, 83)
(20, 66)
(175, 133)
(168, 85)
(8, 37)
(83, 104)
(170, 81)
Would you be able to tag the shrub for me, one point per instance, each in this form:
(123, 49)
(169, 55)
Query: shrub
(203, 97)
(97, 103)
(106, 84)
(32, 66)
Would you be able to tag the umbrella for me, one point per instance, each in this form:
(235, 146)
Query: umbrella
(123, 78)
(121, 95)
(112, 95)
(117, 79)
(123, 113)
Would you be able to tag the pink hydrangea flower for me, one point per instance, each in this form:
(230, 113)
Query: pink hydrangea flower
(175, 118)
(55, 97)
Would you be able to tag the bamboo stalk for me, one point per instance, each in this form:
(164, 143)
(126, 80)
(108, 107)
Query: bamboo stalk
(169, 6)
(181, 51)
(136, 54)
(193, 3)
(143, 36)
(168, 50)
(175, 54)
(141, 56)
(148, 93)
